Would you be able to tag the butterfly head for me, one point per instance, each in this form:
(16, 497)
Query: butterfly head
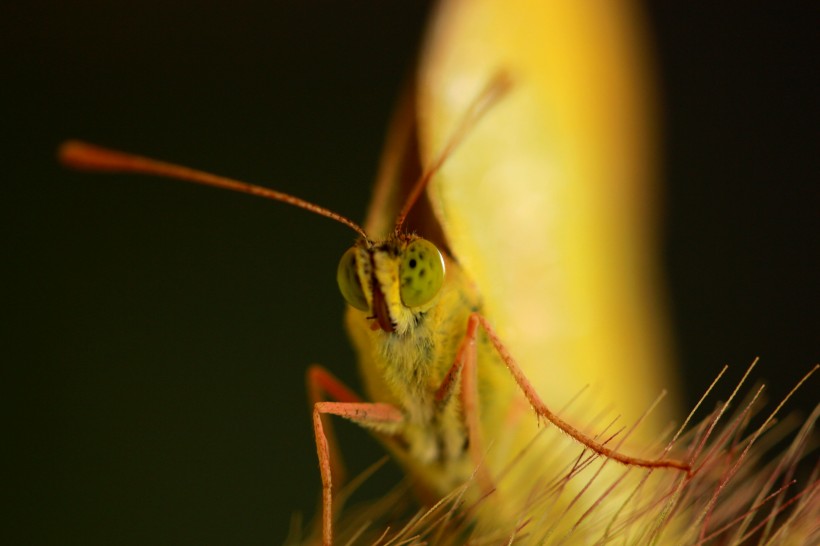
(393, 281)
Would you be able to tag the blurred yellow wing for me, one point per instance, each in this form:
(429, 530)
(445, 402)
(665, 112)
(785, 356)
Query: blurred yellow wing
(547, 204)
(547, 207)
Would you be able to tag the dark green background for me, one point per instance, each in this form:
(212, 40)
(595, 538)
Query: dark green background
(155, 335)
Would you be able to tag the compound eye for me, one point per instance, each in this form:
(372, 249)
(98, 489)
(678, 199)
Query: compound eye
(347, 276)
(421, 273)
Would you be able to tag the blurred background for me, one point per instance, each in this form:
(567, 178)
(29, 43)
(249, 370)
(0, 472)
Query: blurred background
(155, 336)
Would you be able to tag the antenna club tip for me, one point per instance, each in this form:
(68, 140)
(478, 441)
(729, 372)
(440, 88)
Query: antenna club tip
(76, 154)
(67, 149)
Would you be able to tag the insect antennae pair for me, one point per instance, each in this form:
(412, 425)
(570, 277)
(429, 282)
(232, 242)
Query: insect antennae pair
(83, 156)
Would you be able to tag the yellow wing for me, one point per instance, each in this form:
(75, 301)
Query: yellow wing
(547, 204)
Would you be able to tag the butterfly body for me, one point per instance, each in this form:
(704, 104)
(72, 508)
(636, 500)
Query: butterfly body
(408, 366)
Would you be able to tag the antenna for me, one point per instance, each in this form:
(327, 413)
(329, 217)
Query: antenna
(88, 157)
(495, 89)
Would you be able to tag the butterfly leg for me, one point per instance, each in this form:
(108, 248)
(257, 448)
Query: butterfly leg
(465, 368)
(322, 386)
(374, 416)
(542, 410)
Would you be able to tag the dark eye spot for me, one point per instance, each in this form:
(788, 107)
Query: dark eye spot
(422, 271)
(412, 263)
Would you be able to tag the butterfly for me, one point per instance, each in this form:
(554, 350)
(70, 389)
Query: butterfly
(430, 358)
(415, 334)
(494, 209)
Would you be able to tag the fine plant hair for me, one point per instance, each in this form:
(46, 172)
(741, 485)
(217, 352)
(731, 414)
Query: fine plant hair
(744, 488)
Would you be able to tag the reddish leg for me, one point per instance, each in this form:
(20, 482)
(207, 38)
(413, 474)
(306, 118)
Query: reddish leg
(350, 406)
(323, 386)
(465, 366)
(543, 411)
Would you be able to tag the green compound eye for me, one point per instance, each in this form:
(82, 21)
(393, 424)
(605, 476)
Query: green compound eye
(348, 279)
(421, 273)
